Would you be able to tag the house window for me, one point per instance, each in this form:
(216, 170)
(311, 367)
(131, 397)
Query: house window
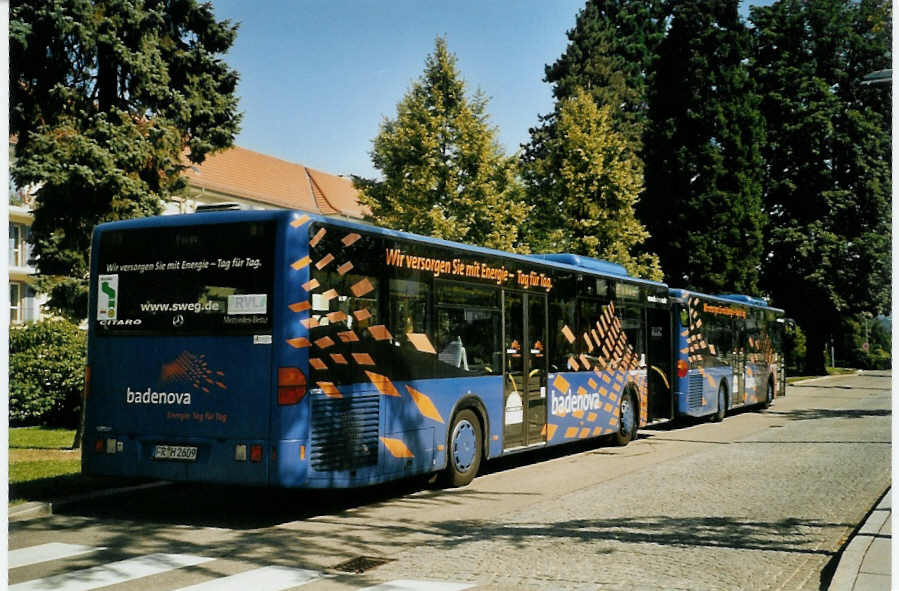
(16, 302)
(17, 237)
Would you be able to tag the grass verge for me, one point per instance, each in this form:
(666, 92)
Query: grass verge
(40, 438)
(43, 468)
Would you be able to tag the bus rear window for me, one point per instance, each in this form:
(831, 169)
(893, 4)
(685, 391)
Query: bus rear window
(196, 280)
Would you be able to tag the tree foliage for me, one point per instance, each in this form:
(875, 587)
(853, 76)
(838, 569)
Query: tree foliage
(610, 54)
(827, 187)
(582, 165)
(443, 171)
(585, 182)
(106, 97)
(46, 373)
(703, 200)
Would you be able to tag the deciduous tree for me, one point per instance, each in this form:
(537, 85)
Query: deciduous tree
(827, 185)
(572, 178)
(586, 182)
(443, 171)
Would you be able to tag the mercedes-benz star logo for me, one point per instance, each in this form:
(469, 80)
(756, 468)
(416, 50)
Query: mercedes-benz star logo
(178, 320)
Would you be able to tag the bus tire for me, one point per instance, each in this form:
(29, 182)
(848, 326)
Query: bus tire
(464, 449)
(769, 395)
(627, 420)
(722, 403)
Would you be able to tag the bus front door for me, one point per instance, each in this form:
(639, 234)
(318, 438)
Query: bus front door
(524, 373)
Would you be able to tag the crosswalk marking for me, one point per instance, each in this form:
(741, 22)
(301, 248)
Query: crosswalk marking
(112, 573)
(46, 553)
(404, 585)
(268, 578)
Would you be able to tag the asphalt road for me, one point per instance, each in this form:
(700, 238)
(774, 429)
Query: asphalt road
(764, 500)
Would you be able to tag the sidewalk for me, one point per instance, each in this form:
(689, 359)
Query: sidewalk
(865, 563)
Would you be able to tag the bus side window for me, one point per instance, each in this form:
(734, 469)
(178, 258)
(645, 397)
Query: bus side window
(408, 309)
(409, 352)
(588, 341)
(468, 328)
(561, 316)
(632, 324)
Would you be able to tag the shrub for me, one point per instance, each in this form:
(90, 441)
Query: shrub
(46, 373)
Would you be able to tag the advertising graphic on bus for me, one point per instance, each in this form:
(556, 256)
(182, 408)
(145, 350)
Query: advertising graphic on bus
(286, 349)
(729, 353)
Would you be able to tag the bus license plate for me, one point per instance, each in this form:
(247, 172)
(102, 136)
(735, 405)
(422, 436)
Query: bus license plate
(175, 452)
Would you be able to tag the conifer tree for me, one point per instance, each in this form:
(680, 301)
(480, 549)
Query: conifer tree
(105, 99)
(610, 53)
(703, 200)
(827, 187)
(443, 171)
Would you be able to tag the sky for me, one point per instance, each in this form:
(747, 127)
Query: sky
(317, 77)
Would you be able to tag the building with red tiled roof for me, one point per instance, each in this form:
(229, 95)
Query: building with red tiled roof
(251, 179)
(259, 181)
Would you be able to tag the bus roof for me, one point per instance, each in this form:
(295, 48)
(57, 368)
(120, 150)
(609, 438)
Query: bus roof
(577, 263)
(731, 298)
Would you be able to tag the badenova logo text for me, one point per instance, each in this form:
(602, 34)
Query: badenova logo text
(150, 397)
(563, 405)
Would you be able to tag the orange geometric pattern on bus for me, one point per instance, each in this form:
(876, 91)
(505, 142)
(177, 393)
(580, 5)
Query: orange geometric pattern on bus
(313, 242)
(425, 405)
(329, 389)
(382, 383)
(421, 342)
(301, 263)
(299, 221)
(350, 239)
(397, 448)
(300, 306)
(613, 360)
(192, 368)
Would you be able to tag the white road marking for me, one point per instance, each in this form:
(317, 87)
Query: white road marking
(46, 553)
(267, 578)
(404, 585)
(112, 573)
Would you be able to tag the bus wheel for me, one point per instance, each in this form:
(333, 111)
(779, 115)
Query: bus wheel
(769, 396)
(627, 420)
(464, 449)
(722, 404)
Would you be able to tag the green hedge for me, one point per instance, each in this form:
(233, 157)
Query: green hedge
(46, 373)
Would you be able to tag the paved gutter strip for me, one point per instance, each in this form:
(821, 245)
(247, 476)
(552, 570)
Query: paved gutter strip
(40, 509)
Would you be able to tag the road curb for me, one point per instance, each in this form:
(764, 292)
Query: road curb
(817, 378)
(32, 510)
(853, 554)
(28, 511)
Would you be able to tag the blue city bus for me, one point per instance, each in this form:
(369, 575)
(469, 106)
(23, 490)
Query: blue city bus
(281, 348)
(728, 353)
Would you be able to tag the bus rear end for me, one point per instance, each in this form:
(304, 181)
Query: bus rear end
(181, 376)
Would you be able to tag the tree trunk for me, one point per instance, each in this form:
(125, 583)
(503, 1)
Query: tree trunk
(815, 345)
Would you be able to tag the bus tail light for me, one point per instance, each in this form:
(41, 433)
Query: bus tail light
(291, 385)
(87, 381)
(682, 368)
(256, 453)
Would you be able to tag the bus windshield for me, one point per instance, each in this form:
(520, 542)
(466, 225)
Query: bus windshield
(195, 280)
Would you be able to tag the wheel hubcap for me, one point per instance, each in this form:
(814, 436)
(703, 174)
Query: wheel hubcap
(627, 416)
(464, 446)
